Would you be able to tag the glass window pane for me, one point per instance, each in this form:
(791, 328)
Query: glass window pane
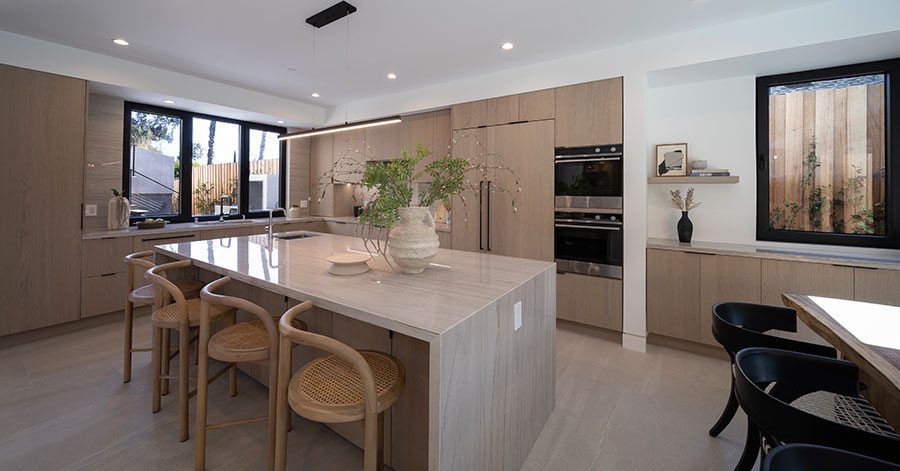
(215, 167)
(155, 161)
(827, 156)
(265, 161)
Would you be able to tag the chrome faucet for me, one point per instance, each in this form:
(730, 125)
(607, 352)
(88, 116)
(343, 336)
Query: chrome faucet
(269, 227)
(222, 206)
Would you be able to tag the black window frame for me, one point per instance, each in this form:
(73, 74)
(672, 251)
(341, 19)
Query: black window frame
(185, 209)
(891, 70)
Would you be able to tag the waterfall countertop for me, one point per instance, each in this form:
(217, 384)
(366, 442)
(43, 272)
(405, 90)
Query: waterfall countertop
(456, 285)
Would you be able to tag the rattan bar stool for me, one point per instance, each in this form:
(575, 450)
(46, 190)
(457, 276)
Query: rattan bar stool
(254, 341)
(144, 296)
(347, 386)
(173, 311)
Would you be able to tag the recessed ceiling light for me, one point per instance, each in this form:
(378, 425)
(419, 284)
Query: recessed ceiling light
(280, 121)
(316, 95)
(392, 76)
(169, 101)
(291, 69)
(120, 42)
(507, 46)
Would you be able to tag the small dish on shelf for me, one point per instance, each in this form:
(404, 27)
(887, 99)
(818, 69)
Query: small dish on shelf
(345, 264)
(151, 225)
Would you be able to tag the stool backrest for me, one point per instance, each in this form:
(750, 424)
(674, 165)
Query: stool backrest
(137, 259)
(166, 289)
(208, 296)
(743, 325)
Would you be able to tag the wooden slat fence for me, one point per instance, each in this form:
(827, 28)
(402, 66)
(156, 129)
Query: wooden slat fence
(224, 178)
(846, 126)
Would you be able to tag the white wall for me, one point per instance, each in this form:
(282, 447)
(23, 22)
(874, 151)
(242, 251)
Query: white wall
(717, 120)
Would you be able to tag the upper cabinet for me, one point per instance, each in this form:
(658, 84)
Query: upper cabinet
(384, 142)
(469, 115)
(534, 106)
(503, 110)
(589, 113)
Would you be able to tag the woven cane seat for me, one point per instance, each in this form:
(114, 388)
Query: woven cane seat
(329, 389)
(855, 412)
(147, 294)
(245, 341)
(168, 316)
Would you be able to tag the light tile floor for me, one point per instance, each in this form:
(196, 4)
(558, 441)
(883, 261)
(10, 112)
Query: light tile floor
(64, 407)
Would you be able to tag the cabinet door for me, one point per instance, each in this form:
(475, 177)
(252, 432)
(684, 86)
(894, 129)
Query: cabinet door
(527, 149)
(351, 154)
(103, 294)
(537, 105)
(469, 115)
(877, 286)
(103, 256)
(673, 294)
(467, 212)
(502, 110)
(147, 242)
(725, 278)
(385, 142)
(589, 113)
(420, 128)
(320, 154)
(811, 279)
(42, 129)
(591, 300)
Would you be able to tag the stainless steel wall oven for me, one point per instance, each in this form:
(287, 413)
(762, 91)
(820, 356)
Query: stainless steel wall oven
(589, 243)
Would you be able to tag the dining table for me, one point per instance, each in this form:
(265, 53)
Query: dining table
(866, 334)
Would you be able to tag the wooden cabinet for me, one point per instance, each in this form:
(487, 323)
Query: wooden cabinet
(445, 239)
(673, 294)
(877, 286)
(534, 106)
(725, 278)
(385, 142)
(321, 153)
(315, 226)
(42, 131)
(343, 228)
(467, 212)
(468, 115)
(351, 154)
(591, 300)
(147, 242)
(589, 113)
(502, 110)
(103, 294)
(104, 256)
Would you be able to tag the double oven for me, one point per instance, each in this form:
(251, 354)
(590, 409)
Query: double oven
(588, 197)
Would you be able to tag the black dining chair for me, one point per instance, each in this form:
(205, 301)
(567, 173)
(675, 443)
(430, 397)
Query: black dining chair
(737, 326)
(805, 457)
(792, 397)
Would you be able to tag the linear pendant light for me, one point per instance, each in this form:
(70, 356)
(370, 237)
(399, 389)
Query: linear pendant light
(340, 128)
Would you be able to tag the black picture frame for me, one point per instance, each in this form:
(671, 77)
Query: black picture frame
(891, 70)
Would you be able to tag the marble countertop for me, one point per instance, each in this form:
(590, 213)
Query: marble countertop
(887, 259)
(457, 285)
(229, 224)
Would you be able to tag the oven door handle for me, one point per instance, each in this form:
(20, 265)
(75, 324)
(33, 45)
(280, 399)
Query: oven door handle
(600, 228)
(573, 161)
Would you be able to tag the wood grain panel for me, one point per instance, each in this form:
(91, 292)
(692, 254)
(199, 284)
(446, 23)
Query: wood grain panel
(589, 113)
(409, 415)
(42, 131)
(103, 294)
(321, 153)
(442, 133)
(534, 106)
(857, 156)
(502, 110)
(607, 123)
(811, 279)
(103, 155)
(445, 239)
(384, 142)
(102, 256)
(420, 128)
(824, 135)
(875, 137)
(466, 215)
(794, 151)
(726, 279)
(673, 294)
(468, 115)
(591, 300)
(526, 148)
(840, 147)
(147, 242)
(351, 153)
(298, 188)
(877, 286)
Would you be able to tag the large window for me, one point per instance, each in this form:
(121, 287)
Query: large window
(826, 160)
(231, 168)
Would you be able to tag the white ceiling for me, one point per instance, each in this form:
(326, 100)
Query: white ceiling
(425, 42)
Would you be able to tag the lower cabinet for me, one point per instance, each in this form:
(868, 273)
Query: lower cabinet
(446, 239)
(877, 286)
(591, 300)
(342, 228)
(725, 278)
(673, 294)
(102, 294)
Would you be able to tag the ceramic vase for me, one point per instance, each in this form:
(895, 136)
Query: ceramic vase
(117, 217)
(685, 228)
(413, 243)
(294, 212)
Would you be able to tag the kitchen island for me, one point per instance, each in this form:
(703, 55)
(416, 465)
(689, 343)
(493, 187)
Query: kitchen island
(480, 385)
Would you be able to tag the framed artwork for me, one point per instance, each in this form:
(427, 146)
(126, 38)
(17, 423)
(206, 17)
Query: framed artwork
(671, 160)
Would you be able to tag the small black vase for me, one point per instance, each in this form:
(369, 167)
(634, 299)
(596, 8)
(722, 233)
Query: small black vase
(685, 228)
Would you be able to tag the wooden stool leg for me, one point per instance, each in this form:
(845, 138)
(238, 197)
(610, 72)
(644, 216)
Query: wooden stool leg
(202, 390)
(232, 379)
(197, 352)
(166, 349)
(282, 409)
(157, 359)
(373, 450)
(184, 337)
(129, 322)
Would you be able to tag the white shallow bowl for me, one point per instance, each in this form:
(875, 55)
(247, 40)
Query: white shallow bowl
(349, 263)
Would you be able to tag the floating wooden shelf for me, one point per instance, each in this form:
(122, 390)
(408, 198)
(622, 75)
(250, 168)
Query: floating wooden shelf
(673, 180)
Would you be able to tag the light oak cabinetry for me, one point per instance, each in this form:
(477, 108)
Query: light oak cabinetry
(537, 105)
(102, 294)
(321, 153)
(589, 114)
(103, 274)
(673, 294)
(591, 300)
(502, 110)
(466, 215)
(104, 256)
(42, 142)
(468, 115)
(725, 278)
(877, 286)
(342, 228)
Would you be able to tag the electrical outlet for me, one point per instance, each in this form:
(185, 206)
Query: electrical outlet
(304, 203)
(90, 210)
(517, 316)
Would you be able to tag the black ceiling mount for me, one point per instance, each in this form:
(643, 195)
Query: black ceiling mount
(331, 14)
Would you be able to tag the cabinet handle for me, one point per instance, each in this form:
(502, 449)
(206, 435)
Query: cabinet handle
(489, 216)
(480, 215)
(188, 236)
(108, 274)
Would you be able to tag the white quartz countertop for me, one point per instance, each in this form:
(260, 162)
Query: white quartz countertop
(457, 284)
(228, 224)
